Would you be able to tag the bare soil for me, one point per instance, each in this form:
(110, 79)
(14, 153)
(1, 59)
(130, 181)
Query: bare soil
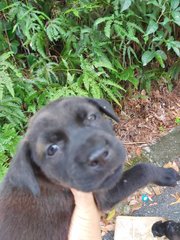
(144, 118)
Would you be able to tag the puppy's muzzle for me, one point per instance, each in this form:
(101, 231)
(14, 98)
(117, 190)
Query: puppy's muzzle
(98, 148)
(98, 156)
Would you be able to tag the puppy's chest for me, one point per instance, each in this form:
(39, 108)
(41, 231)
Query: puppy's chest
(49, 204)
(38, 217)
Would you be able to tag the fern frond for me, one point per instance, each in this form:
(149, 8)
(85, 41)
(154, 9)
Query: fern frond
(10, 111)
(95, 91)
(107, 28)
(110, 94)
(55, 30)
(102, 20)
(113, 84)
(5, 81)
(38, 43)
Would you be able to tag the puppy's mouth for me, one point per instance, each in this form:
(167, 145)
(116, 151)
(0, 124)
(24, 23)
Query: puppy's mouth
(107, 182)
(113, 177)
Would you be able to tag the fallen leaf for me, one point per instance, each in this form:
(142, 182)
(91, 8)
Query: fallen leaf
(172, 165)
(111, 214)
(138, 151)
(178, 201)
(136, 207)
(177, 197)
(110, 227)
(107, 228)
(157, 190)
(146, 190)
(133, 202)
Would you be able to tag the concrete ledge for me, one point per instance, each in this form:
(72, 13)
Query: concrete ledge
(135, 228)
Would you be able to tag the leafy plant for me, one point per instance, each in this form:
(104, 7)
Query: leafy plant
(8, 72)
(10, 111)
(9, 139)
(177, 120)
(101, 49)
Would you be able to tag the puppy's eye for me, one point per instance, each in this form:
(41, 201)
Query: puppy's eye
(52, 149)
(91, 117)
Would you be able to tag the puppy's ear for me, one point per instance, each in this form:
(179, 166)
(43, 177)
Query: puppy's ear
(104, 107)
(21, 173)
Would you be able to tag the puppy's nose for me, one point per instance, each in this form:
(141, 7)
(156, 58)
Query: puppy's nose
(98, 157)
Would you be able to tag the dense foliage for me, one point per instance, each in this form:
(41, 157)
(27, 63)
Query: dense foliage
(101, 48)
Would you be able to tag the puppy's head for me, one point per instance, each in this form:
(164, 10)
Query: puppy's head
(71, 143)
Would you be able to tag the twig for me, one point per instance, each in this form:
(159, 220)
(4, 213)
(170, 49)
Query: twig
(133, 143)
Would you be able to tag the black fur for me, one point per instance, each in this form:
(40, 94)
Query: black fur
(68, 144)
(170, 229)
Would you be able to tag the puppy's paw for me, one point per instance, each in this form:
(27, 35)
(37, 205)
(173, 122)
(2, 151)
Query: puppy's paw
(158, 229)
(167, 177)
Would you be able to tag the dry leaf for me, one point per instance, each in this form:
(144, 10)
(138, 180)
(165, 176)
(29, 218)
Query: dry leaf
(157, 190)
(136, 207)
(172, 165)
(138, 151)
(107, 228)
(146, 190)
(177, 197)
(111, 214)
(178, 201)
(133, 202)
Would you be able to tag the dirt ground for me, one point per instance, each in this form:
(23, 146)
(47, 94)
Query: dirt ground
(144, 118)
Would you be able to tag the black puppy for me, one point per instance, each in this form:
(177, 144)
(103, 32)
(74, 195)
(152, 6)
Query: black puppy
(69, 143)
(170, 229)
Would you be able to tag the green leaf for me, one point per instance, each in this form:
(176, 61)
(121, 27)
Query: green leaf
(160, 56)
(107, 29)
(31, 59)
(110, 94)
(176, 50)
(174, 4)
(86, 81)
(14, 46)
(125, 4)
(153, 2)
(9, 86)
(113, 84)
(5, 80)
(76, 13)
(70, 78)
(152, 27)
(120, 31)
(103, 62)
(125, 74)
(5, 56)
(101, 20)
(176, 16)
(95, 91)
(3, 4)
(147, 57)
(177, 120)
(128, 75)
(165, 21)
(135, 26)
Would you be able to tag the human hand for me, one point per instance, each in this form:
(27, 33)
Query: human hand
(85, 221)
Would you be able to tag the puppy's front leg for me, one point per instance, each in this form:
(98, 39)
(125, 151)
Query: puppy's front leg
(136, 177)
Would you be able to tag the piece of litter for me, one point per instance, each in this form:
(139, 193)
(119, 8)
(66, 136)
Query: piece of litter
(145, 198)
(153, 204)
